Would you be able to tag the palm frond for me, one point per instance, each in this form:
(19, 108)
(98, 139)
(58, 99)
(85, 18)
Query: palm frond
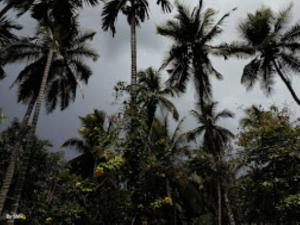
(291, 61)
(250, 73)
(224, 114)
(169, 106)
(292, 34)
(6, 31)
(76, 143)
(192, 134)
(110, 13)
(165, 5)
(215, 30)
(282, 19)
(240, 50)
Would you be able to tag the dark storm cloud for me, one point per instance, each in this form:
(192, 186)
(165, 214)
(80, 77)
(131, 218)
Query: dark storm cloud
(114, 65)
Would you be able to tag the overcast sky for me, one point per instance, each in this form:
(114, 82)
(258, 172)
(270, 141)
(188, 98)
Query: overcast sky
(114, 66)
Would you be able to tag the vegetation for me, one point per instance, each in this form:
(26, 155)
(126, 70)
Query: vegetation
(140, 165)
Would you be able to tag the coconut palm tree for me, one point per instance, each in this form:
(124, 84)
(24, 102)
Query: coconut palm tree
(66, 73)
(61, 61)
(215, 138)
(136, 12)
(96, 138)
(6, 30)
(21, 6)
(171, 144)
(152, 94)
(275, 45)
(193, 33)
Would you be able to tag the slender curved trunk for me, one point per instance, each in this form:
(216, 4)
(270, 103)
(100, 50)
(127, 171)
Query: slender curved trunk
(133, 55)
(42, 91)
(287, 83)
(27, 155)
(219, 203)
(6, 8)
(229, 209)
(28, 113)
(10, 172)
(7, 181)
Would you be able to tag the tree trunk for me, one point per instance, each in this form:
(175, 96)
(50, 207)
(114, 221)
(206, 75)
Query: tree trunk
(8, 179)
(229, 209)
(6, 8)
(42, 91)
(26, 159)
(133, 56)
(287, 83)
(13, 158)
(28, 113)
(219, 203)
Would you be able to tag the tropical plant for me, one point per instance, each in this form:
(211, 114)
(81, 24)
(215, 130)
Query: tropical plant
(215, 139)
(274, 44)
(96, 139)
(6, 36)
(59, 58)
(136, 12)
(193, 33)
(66, 73)
(270, 146)
(151, 94)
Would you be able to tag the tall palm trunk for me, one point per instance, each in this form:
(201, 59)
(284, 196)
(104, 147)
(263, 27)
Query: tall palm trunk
(7, 181)
(133, 55)
(10, 172)
(28, 113)
(26, 158)
(151, 109)
(287, 83)
(229, 209)
(219, 203)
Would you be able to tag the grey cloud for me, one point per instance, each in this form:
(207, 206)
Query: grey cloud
(114, 65)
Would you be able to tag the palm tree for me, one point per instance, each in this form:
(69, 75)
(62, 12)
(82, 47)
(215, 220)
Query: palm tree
(274, 45)
(6, 36)
(215, 138)
(65, 69)
(192, 33)
(96, 138)
(66, 73)
(62, 61)
(152, 94)
(21, 5)
(252, 115)
(172, 145)
(6, 28)
(136, 12)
